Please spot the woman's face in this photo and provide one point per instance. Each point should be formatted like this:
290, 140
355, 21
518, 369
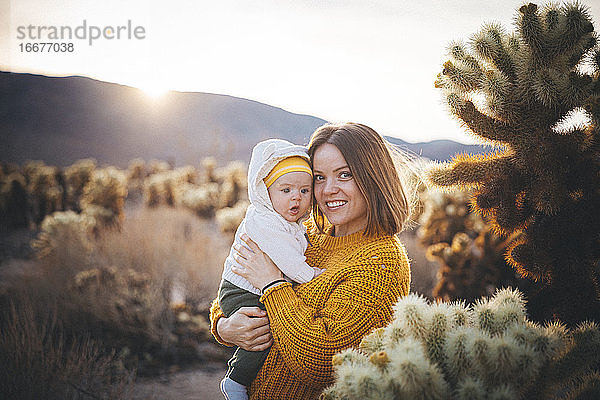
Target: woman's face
336, 191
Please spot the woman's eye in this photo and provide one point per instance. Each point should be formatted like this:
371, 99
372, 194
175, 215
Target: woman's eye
305, 191
319, 178
346, 175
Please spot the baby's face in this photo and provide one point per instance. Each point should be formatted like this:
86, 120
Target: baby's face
291, 195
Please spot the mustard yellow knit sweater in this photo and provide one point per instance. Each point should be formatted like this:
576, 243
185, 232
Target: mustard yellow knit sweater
311, 322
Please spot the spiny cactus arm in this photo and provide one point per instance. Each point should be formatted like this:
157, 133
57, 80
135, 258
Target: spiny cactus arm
308, 338
528, 260
507, 216
459, 77
458, 52
578, 51
489, 45
588, 387
469, 170
530, 27
573, 361
577, 25
480, 124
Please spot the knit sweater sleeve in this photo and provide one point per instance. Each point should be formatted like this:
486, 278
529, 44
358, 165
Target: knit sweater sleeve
360, 300
214, 315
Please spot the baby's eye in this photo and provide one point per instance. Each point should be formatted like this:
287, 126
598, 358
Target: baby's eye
286, 190
346, 175
305, 190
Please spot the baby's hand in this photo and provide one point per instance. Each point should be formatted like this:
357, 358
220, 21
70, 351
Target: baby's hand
318, 271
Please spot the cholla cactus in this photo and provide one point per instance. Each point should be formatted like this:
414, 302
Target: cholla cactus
77, 176
450, 351
470, 255
136, 169
229, 218
157, 167
202, 199
124, 300
234, 184
446, 213
164, 188
544, 178
136, 175
60, 228
208, 165
104, 196
47, 189
14, 201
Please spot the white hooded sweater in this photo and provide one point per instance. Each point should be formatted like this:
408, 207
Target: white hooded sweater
284, 242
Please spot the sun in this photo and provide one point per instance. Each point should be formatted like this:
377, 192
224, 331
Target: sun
154, 91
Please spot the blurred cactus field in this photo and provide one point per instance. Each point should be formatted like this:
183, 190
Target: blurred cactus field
107, 273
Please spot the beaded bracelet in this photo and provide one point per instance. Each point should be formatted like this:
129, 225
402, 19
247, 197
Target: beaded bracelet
268, 285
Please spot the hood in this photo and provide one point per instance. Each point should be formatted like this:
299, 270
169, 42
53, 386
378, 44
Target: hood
265, 156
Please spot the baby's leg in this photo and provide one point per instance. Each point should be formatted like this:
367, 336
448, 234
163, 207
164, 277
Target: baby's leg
244, 365
232, 390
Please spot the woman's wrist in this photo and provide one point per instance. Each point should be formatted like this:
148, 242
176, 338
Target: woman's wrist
219, 327
271, 284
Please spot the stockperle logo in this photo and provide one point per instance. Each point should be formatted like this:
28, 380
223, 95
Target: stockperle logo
89, 33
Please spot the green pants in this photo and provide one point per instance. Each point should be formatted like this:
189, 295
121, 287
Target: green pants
244, 365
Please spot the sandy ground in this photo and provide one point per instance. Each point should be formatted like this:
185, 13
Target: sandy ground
197, 384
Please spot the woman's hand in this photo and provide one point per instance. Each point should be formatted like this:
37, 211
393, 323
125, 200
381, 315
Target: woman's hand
257, 268
247, 328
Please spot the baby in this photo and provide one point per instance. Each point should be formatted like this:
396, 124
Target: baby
279, 188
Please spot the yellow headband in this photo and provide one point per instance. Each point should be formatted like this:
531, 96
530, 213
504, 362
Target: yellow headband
290, 164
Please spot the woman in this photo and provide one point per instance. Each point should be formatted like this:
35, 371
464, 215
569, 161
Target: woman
359, 205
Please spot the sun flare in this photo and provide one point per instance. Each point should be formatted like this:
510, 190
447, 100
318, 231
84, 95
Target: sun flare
154, 91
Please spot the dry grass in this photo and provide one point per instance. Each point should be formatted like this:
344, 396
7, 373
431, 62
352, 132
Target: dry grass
143, 290
38, 360
171, 245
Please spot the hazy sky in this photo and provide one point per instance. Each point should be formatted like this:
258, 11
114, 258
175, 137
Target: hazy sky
366, 61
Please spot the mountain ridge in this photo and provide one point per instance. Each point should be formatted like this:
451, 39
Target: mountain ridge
62, 119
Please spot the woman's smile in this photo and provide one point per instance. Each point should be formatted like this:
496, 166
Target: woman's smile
334, 205
336, 191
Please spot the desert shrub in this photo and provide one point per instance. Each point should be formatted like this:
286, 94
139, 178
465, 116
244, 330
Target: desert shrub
229, 218
38, 360
127, 287
451, 351
104, 196
543, 179
123, 301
